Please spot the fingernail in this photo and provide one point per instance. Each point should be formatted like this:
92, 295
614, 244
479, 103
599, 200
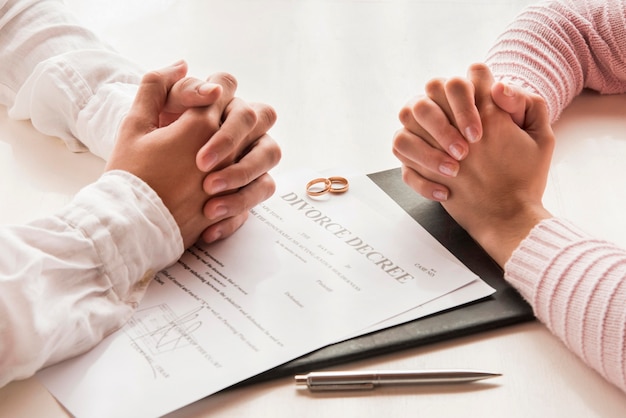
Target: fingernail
507, 90
440, 195
457, 151
178, 63
448, 169
207, 88
217, 186
214, 236
208, 161
471, 134
219, 212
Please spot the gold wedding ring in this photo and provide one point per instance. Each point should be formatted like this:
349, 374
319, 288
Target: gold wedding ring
313, 190
338, 184
334, 184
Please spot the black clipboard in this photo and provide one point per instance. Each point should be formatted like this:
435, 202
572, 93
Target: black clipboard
504, 307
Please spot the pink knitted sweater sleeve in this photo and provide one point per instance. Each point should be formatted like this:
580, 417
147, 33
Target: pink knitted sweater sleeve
557, 48
576, 284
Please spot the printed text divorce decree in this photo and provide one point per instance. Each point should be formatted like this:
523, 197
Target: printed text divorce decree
336, 229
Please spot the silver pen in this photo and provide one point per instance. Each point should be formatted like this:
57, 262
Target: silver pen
363, 380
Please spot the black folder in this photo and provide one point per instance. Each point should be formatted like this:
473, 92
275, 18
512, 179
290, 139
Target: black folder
504, 307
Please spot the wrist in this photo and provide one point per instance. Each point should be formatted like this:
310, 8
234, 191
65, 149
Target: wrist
500, 237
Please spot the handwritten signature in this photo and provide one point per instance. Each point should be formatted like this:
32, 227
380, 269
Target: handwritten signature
161, 331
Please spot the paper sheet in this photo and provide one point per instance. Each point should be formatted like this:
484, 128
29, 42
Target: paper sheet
477, 289
300, 274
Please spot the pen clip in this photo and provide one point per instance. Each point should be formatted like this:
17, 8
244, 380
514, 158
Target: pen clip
329, 386
325, 387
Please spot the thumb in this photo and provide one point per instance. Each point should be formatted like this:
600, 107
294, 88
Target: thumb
513, 100
191, 92
481, 77
152, 95
537, 121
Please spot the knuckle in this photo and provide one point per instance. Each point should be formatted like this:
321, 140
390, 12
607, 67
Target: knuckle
399, 141
227, 80
405, 115
406, 174
267, 115
270, 186
206, 121
248, 116
273, 152
229, 139
153, 82
278, 154
538, 100
458, 85
188, 84
152, 77
264, 188
184, 89
435, 86
396, 152
421, 108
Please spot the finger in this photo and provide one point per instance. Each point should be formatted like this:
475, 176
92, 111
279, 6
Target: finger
482, 79
191, 92
428, 189
460, 94
513, 100
152, 95
244, 124
200, 123
206, 159
407, 118
266, 118
240, 119
225, 206
429, 183
413, 148
224, 228
229, 86
259, 159
538, 122
428, 119
192, 130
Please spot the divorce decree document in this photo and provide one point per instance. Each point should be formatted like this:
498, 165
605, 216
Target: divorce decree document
300, 274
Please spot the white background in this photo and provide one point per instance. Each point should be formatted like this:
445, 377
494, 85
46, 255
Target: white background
337, 72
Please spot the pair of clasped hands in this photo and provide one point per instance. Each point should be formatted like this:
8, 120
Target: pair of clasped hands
204, 151
482, 149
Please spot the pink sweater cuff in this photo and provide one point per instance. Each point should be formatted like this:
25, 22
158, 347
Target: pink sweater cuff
537, 252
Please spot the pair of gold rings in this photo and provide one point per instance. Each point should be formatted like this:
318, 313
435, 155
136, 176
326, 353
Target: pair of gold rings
320, 186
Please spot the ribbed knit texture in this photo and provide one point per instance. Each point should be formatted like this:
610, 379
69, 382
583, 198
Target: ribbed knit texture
576, 284
577, 287
557, 48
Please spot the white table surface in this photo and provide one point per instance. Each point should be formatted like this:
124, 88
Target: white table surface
337, 72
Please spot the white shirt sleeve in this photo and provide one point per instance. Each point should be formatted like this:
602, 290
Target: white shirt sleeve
69, 279
61, 76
